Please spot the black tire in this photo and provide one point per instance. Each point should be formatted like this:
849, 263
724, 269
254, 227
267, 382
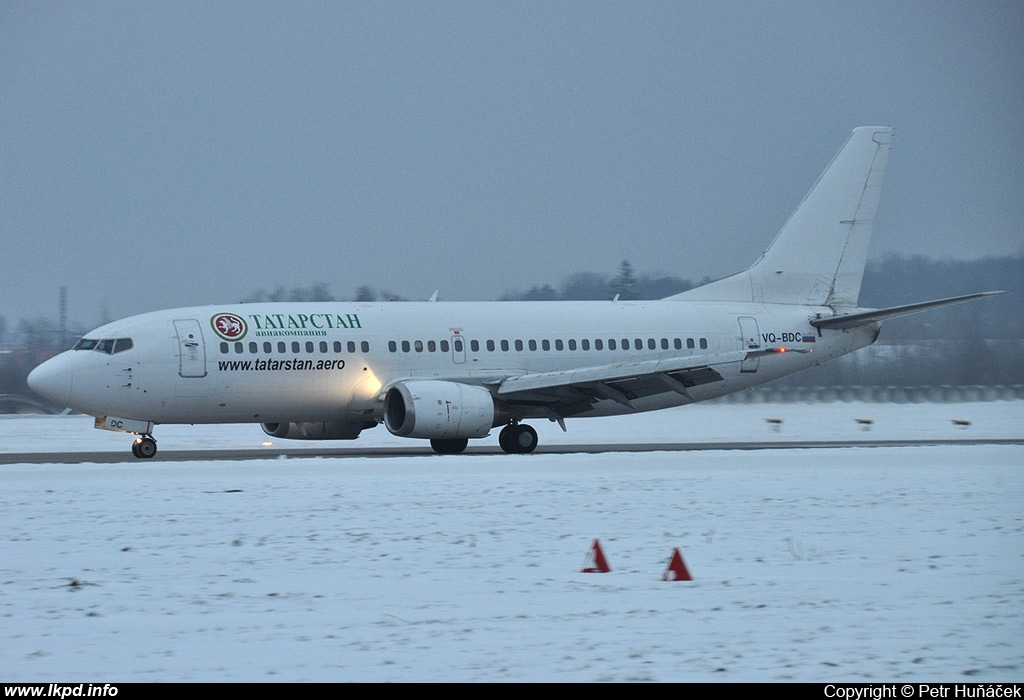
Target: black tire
505, 439
452, 446
144, 448
524, 439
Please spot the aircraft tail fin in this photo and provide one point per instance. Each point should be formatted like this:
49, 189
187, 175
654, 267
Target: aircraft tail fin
818, 256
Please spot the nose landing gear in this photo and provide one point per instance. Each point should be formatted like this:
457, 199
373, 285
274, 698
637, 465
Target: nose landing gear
144, 447
517, 438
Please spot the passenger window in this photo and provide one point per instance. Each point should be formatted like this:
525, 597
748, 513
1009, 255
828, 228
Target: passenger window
364, 346
474, 345
239, 349
519, 346
432, 346
651, 344
295, 347
504, 346
405, 346
545, 345
418, 346
572, 343
223, 348
444, 346
323, 346
281, 347
585, 344
458, 345
611, 343
599, 344
490, 346
638, 344
532, 345
267, 347
558, 344
678, 344
253, 348
392, 346
689, 343
703, 343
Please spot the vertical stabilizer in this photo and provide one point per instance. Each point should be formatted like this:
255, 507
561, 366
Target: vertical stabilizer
818, 257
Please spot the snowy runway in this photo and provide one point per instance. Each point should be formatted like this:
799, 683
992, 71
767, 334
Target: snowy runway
865, 564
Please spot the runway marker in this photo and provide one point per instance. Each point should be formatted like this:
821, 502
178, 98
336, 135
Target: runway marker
597, 561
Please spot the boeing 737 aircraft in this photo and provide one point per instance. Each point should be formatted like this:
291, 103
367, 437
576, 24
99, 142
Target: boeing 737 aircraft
451, 371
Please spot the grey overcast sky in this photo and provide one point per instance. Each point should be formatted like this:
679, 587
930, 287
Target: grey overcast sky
162, 154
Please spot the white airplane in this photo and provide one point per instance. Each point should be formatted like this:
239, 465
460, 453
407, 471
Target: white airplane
452, 371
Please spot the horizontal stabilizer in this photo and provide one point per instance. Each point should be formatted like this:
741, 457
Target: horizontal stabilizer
861, 318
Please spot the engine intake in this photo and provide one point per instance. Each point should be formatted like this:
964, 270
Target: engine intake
440, 410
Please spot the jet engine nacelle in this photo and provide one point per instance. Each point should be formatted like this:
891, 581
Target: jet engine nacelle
314, 430
440, 410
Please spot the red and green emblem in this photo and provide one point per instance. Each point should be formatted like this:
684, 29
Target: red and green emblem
229, 326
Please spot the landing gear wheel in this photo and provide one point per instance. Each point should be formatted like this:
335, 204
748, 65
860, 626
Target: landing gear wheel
453, 446
144, 447
517, 439
525, 439
505, 439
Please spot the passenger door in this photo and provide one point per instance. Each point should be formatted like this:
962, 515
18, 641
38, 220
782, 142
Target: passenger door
191, 350
750, 336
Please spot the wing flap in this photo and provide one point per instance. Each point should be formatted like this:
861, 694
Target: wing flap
678, 381
621, 382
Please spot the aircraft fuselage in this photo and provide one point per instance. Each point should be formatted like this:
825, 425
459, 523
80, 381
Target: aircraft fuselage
321, 361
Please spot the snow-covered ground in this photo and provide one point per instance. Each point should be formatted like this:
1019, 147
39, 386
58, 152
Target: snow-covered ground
705, 422
852, 564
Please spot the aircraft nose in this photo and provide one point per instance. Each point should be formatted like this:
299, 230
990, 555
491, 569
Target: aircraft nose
53, 379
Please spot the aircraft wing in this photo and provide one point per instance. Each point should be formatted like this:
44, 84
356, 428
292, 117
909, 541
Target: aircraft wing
573, 391
860, 318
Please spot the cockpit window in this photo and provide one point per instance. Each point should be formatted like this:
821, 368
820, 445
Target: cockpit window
108, 346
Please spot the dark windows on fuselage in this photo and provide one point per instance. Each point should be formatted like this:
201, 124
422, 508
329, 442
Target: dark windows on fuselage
322, 347
458, 345
628, 345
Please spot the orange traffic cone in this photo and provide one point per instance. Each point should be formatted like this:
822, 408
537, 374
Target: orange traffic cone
598, 564
676, 570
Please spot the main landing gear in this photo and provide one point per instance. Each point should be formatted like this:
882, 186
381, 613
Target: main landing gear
517, 438
144, 446
514, 438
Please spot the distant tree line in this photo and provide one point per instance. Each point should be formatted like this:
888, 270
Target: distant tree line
974, 343
625, 284
319, 292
